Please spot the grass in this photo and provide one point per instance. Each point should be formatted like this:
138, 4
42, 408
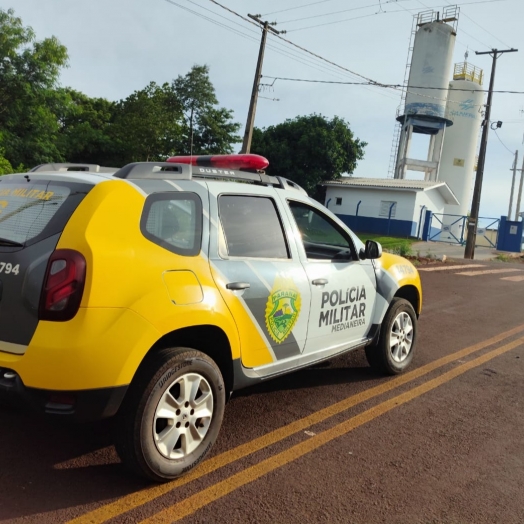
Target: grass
400, 246
501, 257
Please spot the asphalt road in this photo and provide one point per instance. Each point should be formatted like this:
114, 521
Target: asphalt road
335, 443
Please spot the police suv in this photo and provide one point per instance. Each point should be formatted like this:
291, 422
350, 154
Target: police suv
151, 293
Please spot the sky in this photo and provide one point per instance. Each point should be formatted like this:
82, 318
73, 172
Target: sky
119, 46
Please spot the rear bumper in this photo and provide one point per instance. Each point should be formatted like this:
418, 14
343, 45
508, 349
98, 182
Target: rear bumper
80, 406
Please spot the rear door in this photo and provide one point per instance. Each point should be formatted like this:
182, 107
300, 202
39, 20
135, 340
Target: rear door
33, 213
257, 268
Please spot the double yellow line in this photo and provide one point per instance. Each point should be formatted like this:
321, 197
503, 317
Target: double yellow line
222, 488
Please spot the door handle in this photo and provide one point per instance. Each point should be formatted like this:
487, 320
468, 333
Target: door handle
238, 285
320, 281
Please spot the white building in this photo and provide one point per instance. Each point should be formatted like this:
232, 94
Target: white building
395, 207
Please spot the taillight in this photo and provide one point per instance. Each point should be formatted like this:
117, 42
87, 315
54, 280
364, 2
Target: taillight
63, 285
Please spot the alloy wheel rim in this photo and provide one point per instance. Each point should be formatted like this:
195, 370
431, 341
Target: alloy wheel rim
401, 337
183, 416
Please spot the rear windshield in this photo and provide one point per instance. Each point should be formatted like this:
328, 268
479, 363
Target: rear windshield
27, 209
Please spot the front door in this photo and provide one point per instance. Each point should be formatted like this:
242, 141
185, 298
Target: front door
343, 288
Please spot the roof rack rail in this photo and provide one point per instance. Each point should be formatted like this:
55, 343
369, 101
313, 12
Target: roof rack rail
289, 184
175, 171
65, 166
154, 170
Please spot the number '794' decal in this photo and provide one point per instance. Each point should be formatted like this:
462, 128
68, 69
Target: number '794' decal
8, 268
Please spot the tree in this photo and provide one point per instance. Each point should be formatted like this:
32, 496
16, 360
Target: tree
147, 125
84, 129
309, 150
29, 72
5, 165
40, 122
208, 129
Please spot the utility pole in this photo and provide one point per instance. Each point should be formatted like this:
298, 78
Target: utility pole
514, 169
517, 210
248, 133
469, 252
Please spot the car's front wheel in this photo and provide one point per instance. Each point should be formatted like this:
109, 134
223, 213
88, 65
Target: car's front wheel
396, 344
172, 414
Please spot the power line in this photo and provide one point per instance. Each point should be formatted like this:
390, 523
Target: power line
477, 24
339, 21
220, 24
471, 19
324, 1
337, 12
484, 29
383, 12
297, 7
373, 82
462, 30
500, 140
281, 51
392, 86
285, 51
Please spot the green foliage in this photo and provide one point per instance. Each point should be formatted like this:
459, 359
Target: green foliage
404, 249
309, 150
41, 122
5, 165
401, 246
146, 126
502, 257
84, 128
29, 71
207, 129
216, 132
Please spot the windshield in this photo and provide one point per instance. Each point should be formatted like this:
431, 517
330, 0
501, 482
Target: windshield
25, 210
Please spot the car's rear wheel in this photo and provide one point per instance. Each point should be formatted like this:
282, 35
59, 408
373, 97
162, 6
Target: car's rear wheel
393, 352
172, 414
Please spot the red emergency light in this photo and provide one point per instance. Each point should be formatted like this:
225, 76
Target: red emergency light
251, 162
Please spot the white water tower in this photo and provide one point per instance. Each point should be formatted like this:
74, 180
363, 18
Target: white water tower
426, 95
458, 161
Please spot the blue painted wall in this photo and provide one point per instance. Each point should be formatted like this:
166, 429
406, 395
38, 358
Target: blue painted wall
508, 240
382, 226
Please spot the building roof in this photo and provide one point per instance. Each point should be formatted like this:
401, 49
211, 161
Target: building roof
396, 184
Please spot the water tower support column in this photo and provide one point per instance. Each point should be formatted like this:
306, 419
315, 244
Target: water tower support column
435, 152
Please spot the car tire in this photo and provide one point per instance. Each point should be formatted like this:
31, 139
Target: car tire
171, 415
393, 352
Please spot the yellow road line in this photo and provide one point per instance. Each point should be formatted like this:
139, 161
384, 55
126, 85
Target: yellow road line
519, 278
134, 500
197, 501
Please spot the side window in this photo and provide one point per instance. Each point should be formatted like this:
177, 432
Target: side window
322, 238
174, 221
252, 227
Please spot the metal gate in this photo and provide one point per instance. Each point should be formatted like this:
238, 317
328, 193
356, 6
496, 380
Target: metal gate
452, 229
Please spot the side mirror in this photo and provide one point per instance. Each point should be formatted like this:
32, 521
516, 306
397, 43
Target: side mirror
373, 250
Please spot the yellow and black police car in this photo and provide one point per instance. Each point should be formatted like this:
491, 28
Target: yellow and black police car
152, 292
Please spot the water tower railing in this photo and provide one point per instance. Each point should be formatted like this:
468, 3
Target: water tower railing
426, 17
465, 71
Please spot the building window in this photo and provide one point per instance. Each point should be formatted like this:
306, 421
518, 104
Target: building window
338, 201
385, 206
